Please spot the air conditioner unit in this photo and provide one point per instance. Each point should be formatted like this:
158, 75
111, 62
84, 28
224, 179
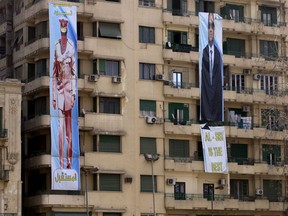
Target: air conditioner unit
116, 79
246, 109
222, 181
171, 181
159, 77
128, 179
259, 192
151, 119
256, 76
93, 77
246, 71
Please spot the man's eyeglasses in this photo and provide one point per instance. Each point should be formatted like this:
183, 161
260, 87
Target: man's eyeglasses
211, 25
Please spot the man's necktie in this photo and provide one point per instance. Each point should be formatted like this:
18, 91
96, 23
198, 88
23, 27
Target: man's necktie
211, 66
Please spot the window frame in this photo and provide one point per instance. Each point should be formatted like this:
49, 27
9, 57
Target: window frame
147, 34
147, 71
110, 105
147, 108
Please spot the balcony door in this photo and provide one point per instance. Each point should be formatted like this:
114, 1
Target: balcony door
179, 191
177, 79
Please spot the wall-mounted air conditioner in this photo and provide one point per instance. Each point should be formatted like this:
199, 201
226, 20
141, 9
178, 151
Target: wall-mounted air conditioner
222, 182
259, 192
159, 77
170, 181
151, 119
116, 79
256, 76
93, 77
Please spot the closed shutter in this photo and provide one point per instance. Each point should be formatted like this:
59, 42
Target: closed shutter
147, 145
239, 152
146, 183
179, 148
109, 143
109, 182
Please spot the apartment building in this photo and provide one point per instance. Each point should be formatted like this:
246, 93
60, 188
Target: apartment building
138, 88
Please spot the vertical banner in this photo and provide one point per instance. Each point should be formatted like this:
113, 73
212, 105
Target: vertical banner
211, 67
214, 149
65, 157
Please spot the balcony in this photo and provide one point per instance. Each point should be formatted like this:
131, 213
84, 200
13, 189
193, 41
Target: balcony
223, 203
56, 198
36, 85
180, 17
43, 160
42, 121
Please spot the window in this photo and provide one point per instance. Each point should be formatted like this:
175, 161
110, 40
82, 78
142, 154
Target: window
179, 191
18, 39
109, 67
147, 108
268, 15
204, 6
208, 191
146, 183
113, 0
31, 72
41, 30
272, 189
109, 30
178, 113
239, 188
271, 153
109, 105
269, 49
94, 29
108, 143
40, 106
269, 84
41, 68
37, 145
149, 3
146, 34
177, 37
148, 145
178, 148
234, 47
146, 71
271, 120
110, 182
111, 213
239, 153
19, 72
178, 7
31, 34
233, 12
177, 79
80, 31
237, 82
177, 41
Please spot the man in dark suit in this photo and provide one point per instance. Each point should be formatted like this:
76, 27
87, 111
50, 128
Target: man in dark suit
211, 79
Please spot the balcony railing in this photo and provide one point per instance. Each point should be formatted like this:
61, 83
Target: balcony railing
247, 20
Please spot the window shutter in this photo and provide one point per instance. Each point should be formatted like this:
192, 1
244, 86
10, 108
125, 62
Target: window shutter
169, 5
146, 183
109, 143
109, 182
147, 145
102, 66
239, 152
